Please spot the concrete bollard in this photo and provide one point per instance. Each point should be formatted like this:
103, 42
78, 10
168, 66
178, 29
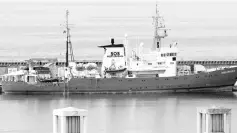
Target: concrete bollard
214, 120
69, 120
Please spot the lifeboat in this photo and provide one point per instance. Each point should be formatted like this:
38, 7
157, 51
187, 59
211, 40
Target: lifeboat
80, 67
91, 66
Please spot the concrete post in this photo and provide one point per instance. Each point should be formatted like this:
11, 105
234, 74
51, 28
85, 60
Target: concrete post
199, 123
214, 120
69, 120
55, 124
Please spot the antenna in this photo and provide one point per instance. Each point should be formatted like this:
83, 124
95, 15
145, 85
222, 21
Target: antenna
68, 41
158, 22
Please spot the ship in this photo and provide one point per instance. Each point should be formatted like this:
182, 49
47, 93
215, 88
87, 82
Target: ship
155, 71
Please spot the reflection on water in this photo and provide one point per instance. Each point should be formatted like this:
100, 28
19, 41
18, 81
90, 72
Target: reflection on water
136, 113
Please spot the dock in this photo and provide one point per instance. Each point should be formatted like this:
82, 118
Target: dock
9, 66
99, 62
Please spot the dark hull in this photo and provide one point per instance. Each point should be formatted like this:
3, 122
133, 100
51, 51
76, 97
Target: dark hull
221, 80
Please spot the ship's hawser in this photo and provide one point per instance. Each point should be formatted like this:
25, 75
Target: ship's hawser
140, 72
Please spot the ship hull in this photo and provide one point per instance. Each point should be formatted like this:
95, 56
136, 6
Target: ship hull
25, 88
220, 80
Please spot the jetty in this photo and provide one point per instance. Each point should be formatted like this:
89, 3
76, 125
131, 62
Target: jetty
6, 66
9, 66
99, 62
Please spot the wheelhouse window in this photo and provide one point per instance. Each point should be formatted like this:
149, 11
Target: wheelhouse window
160, 63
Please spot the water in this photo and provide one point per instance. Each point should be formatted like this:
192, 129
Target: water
32, 29
141, 113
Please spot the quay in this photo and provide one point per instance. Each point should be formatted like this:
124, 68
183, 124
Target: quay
99, 62
9, 66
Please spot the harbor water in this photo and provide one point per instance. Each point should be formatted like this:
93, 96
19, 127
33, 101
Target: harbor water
122, 113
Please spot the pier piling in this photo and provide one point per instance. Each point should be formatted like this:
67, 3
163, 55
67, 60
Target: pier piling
214, 120
69, 120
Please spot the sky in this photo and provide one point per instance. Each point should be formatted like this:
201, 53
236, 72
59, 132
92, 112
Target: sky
207, 29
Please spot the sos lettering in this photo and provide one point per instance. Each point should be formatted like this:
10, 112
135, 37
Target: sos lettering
115, 54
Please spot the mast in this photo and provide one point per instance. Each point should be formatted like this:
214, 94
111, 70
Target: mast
67, 32
158, 22
68, 41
